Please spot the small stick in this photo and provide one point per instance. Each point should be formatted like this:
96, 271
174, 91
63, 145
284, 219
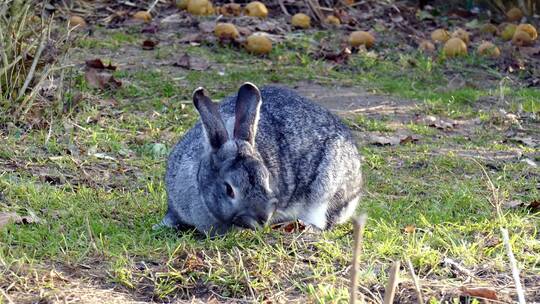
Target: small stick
89, 231
449, 263
246, 275
152, 6
390, 290
358, 224
513, 266
5, 296
416, 282
283, 8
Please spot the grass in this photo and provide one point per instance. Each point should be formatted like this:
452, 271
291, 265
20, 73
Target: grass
97, 185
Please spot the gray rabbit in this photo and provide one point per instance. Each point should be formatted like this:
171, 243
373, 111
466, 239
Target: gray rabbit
262, 157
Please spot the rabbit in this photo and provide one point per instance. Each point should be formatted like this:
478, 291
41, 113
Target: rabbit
262, 157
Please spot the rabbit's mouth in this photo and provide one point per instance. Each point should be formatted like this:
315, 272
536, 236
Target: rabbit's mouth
250, 222
246, 221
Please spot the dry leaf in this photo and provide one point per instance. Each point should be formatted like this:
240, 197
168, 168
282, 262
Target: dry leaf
528, 141
12, 217
149, 45
290, 227
534, 206
192, 38
480, 292
101, 80
439, 123
98, 64
192, 63
409, 229
151, 28
392, 140
531, 51
207, 26
193, 262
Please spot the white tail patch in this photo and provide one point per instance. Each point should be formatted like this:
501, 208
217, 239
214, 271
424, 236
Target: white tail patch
315, 216
348, 211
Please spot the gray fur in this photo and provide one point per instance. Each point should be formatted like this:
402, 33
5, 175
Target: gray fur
304, 165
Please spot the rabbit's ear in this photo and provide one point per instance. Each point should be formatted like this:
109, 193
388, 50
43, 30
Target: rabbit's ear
211, 119
248, 105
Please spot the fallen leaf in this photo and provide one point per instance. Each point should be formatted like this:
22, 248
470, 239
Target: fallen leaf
207, 26
531, 51
192, 38
12, 217
439, 123
98, 65
337, 57
383, 140
528, 141
149, 45
101, 80
192, 63
392, 140
533, 206
480, 292
268, 26
193, 262
290, 227
530, 162
409, 229
396, 18
151, 28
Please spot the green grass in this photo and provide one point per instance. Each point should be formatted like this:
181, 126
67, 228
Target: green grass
97, 184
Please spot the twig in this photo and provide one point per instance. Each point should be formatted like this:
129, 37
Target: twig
513, 266
37, 57
246, 275
283, 8
415, 281
390, 290
316, 11
89, 231
5, 296
358, 224
152, 6
451, 263
494, 191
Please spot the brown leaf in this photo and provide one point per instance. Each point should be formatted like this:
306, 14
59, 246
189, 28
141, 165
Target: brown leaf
192, 63
149, 44
439, 123
534, 206
244, 31
530, 50
193, 262
98, 64
12, 217
528, 141
231, 9
480, 292
290, 227
192, 38
409, 229
101, 80
392, 140
207, 26
339, 57
151, 28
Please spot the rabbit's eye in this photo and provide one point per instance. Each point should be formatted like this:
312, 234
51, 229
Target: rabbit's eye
230, 191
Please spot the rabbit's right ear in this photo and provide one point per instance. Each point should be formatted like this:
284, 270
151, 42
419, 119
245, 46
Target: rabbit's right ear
211, 119
248, 106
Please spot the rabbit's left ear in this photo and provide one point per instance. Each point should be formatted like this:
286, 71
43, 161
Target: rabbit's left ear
211, 119
248, 106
